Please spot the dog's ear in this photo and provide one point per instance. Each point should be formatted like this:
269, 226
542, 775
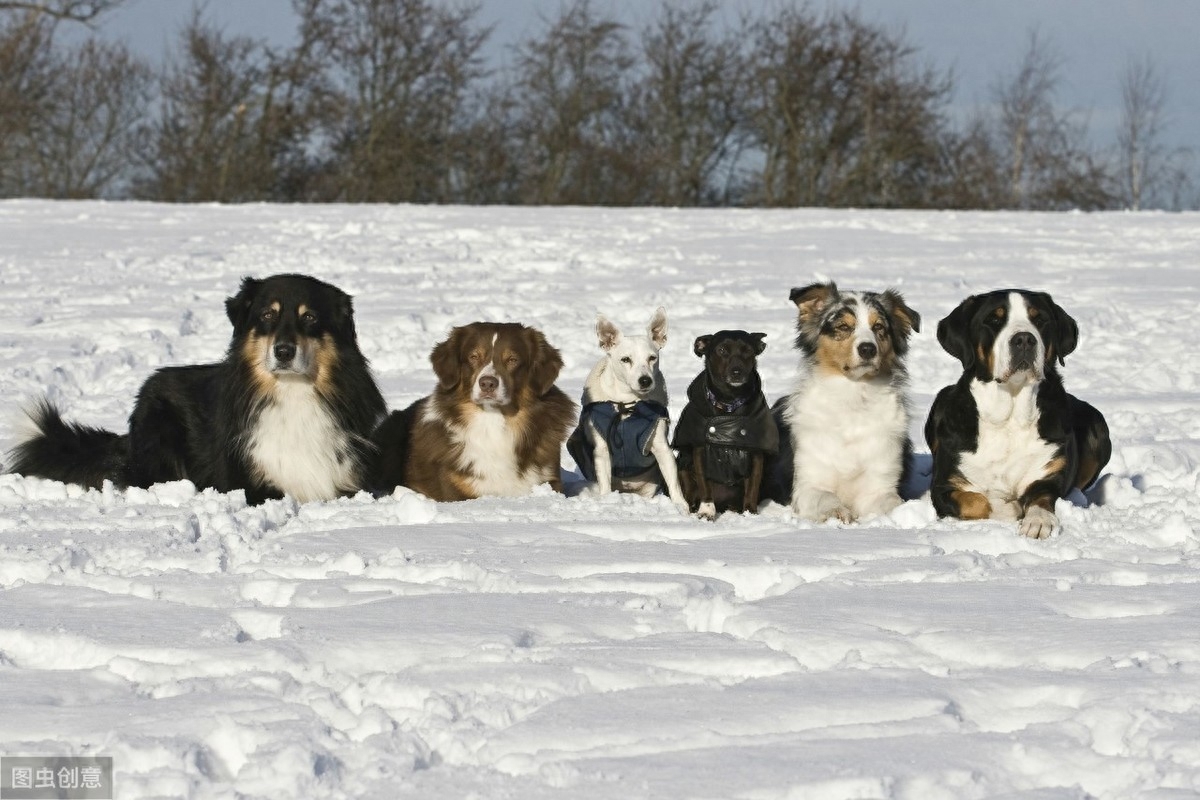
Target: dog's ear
954, 333
657, 330
547, 362
700, 346
343, 314
904, 319
607, 333
237, 308
759, 344
446, 360
1066, 331
811, 300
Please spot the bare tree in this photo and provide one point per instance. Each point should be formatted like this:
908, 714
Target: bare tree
686, 108
66, 10
26, 81
840, 113
81, 141
1049, 163
403, 70
569, 97
199, 149
1144, 161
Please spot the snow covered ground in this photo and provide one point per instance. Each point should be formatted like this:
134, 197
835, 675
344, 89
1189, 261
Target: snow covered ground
597, 648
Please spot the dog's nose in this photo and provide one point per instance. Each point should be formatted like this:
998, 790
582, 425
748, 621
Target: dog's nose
285, 352
488, 384
867, 351
1024, 343
645, 381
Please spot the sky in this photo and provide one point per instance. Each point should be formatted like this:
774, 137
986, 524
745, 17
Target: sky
980, 40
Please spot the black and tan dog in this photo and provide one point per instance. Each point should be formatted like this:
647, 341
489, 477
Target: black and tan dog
1007, 440
289, 410
726, 429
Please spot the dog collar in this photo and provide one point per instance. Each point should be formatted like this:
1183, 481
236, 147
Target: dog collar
720, 405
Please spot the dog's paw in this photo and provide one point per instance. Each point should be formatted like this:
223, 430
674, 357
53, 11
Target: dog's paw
840, 513
1038, 523
682, 507
707, 511
593, 490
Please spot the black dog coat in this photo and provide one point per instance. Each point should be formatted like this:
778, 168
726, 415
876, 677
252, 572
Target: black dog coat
727, 434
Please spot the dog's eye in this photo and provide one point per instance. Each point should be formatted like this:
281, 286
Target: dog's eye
652, 359
722, 351
309, 318
269, 315
474, 358
627, 360
512, 361
879, 327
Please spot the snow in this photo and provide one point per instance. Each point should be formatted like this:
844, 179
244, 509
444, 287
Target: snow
597, 647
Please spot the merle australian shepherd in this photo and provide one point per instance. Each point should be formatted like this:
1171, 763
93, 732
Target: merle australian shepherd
847, 420
288, 412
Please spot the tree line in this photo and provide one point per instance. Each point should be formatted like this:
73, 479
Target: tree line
394, 101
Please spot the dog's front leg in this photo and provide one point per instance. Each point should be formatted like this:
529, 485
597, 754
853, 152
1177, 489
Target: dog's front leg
707, 509
753, 484
601, 460
667, 466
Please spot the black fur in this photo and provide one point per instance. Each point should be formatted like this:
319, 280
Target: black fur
726, 430
194, 422
1077, 430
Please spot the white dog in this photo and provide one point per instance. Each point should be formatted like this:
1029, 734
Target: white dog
621, 441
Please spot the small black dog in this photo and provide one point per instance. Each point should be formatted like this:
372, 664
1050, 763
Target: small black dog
726, 429
289, 411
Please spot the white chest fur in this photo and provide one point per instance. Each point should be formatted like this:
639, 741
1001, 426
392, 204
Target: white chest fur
1010, 454
489, 454
297, 446
849, 439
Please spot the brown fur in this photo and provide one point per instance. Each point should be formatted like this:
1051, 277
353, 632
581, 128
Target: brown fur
972, 505
537, 413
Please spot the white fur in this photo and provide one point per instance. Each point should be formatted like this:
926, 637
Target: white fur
848, 437
489, 452
615, 378
1010, 454
297, 445
1017, 322
863, 334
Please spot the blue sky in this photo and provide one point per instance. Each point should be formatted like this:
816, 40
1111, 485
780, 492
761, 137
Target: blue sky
979, 39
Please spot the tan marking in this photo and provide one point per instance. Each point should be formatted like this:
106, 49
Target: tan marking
325, 364
883, 340
1042, 501
301, 309
834, 355
971, 505
813, 302
1054, 466
254, 353
276, 306
1089, 468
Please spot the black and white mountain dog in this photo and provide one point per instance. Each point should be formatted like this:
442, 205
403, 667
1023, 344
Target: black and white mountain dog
1007, 440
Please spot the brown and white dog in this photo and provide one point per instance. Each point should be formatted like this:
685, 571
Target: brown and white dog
495, 424
847, 420
1007, 440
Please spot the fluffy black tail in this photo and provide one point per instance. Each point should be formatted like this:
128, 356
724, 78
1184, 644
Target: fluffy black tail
68, 452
